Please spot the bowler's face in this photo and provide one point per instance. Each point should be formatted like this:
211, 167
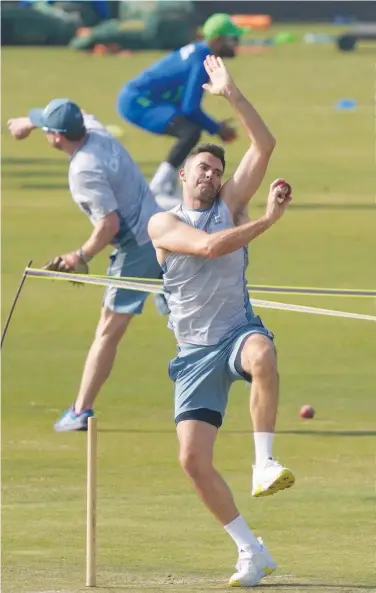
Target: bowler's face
203, 177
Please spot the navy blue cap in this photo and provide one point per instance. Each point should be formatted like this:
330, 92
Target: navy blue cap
60, 115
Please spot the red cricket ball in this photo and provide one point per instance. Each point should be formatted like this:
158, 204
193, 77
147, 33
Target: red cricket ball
307, 412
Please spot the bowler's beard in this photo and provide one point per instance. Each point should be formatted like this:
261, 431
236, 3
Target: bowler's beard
207, 193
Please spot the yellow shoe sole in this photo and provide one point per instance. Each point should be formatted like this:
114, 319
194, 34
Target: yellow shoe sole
285, 480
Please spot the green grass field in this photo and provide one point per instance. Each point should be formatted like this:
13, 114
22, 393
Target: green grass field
153, 534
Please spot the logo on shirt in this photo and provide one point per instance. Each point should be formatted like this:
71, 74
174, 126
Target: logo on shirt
187, 50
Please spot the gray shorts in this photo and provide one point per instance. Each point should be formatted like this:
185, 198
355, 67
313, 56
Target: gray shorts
138, 262
203, 375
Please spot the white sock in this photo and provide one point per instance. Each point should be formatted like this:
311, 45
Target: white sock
165, 173
241, 534
263, 446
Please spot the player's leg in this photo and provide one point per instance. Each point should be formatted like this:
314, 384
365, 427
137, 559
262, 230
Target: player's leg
101, 356
201, 389
98, 365
259, 359
119, 307
196, 439
152, 117
162, 119
188, 134
256, 360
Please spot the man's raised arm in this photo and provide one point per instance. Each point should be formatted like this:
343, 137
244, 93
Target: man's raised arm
170, 235
240, 188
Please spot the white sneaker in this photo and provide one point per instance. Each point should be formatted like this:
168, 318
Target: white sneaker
271, 477
270, 564
252, 566
70, 420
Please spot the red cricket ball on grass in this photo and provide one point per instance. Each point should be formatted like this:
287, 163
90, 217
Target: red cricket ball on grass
307, 412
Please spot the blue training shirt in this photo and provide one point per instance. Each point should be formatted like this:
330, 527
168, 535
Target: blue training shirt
178, 79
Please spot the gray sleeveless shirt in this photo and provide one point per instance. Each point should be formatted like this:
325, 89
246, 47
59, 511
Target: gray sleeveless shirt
207, 298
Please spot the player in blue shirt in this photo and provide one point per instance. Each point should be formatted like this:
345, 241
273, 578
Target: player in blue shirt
166, 99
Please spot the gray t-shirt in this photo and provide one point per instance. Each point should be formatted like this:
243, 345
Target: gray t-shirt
103, 178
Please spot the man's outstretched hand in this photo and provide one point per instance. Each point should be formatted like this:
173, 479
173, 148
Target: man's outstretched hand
220, 80
70, 262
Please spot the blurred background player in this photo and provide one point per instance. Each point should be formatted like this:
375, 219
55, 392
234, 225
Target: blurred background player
109, 188
166, 99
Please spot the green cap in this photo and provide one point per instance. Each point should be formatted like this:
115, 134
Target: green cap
221, 25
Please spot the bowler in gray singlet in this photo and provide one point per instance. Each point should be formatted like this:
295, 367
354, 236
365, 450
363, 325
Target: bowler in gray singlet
109, 188
202, 248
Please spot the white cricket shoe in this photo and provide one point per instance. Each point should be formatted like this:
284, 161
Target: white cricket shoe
252, 566
270, 564
271, 477
70, 420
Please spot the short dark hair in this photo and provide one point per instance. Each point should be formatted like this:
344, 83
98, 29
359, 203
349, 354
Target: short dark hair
213, 149
75, 136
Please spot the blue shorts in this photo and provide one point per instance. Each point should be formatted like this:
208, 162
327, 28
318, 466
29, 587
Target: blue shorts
139, 110
138, 262
203, 375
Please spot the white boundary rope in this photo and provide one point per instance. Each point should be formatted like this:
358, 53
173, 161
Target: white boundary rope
313, 310
147, 286
292, 290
